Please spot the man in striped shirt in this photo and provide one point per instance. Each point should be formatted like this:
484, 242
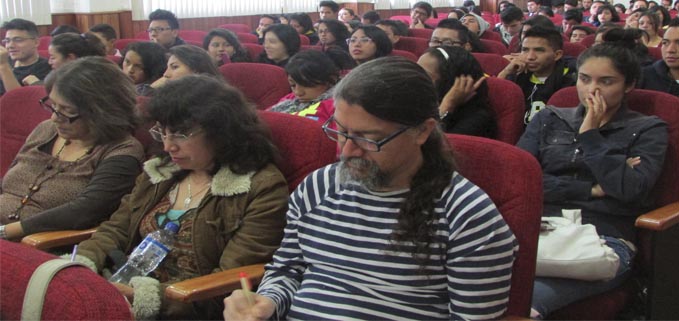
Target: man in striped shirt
391, 232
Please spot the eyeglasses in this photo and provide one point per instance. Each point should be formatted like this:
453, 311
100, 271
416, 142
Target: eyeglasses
158, 29
16, 40
364, 143
157, 135
446, 43
362, 40
49, 106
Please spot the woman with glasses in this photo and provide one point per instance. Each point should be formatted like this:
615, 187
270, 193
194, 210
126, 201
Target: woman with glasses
332, 33
216, 180
144, 62
463, 94
368, 43
74, 167
311, 75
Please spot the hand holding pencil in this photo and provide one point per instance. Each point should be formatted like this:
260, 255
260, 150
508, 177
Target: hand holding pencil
245, 305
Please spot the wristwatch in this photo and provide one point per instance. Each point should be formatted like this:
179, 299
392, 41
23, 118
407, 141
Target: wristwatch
3, 234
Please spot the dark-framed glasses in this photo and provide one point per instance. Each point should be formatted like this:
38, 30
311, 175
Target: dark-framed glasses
362, 40
46, 103
364, 143
445, 43
16, 40
158, 134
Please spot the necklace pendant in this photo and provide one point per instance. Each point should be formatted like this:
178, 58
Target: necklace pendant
187, 201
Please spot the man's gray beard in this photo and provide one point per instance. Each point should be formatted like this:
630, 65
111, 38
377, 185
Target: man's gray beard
373, 179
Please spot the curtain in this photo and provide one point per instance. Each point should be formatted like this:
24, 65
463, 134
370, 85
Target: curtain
37, 11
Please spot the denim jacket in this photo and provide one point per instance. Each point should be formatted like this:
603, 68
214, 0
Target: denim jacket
572, 163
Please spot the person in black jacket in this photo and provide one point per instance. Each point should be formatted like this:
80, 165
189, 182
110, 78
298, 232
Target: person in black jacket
663, 75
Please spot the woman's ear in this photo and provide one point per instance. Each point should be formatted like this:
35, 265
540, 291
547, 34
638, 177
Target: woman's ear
630, 87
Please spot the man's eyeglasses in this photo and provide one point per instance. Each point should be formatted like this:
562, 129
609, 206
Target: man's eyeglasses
446, 43
158, 29
49, 106
158, 135
16, 40
362, 40
364, 143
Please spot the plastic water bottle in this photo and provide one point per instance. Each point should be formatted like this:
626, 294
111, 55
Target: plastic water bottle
147, 255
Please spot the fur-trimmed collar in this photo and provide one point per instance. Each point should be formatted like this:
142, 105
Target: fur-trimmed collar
224, 183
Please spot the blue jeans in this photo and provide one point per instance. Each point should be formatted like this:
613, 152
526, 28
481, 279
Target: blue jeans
551, 294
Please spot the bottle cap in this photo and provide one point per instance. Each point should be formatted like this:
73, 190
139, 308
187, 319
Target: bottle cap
171, 226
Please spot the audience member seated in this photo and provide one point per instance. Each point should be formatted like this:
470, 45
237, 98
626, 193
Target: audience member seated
144, 63
216, 181
70, 46
663, 75
632, 20
593, 10
368, 43
571, 19
304, 26
632, 40
391, 222
311, 75
585, 168
512, 19
391, 28
108, 37
75, 167
370, 18
224, 47
333, 33
650, 23
663, 15
264, 22
535, 21
280, 43
605, 13
463, 95
420, 12
475, 24
164, 29
539, 69
19, 57
327, 10
346, 15
451, 32
283, 18
187, 60
580, 32
603, 29
620, 8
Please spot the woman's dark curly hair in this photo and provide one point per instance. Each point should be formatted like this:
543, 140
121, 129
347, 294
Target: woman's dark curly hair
460, 62
400, 91
240, 54
237, 136
153, 56
338, 30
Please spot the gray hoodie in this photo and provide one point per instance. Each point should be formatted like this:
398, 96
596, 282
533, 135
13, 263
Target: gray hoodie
483, 24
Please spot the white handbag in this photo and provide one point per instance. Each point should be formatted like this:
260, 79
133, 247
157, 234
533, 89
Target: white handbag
572, 250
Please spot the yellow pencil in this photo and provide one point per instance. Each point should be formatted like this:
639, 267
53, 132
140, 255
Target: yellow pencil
246, 287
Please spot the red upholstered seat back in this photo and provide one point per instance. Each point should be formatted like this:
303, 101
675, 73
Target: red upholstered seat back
262, 84
304, 40
494, 47
120, 44
405, 54
513, 180
647, 102
44, 42
75, 293
491, 64
421, 33
588, 41
572, 49
413, 44
20, 112
254, 49
236, 27
506, 99
301, 143
493, 36
247, 38
195, 36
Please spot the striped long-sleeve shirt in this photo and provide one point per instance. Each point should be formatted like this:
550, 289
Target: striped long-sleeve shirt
337, 260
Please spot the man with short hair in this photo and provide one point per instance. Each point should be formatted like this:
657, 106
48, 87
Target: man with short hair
391, 28
391, 232
580, 32
164, 29
19, 59
557, 7
420, 12
587, 4
264, 22
328, 9
640, 4
571, 18
663, 75
539, 69
108, 37
451, 32
512, 20
570, 5
532, 6
593, 10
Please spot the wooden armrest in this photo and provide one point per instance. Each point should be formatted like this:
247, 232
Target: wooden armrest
660, 219
212, 285
49, 240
